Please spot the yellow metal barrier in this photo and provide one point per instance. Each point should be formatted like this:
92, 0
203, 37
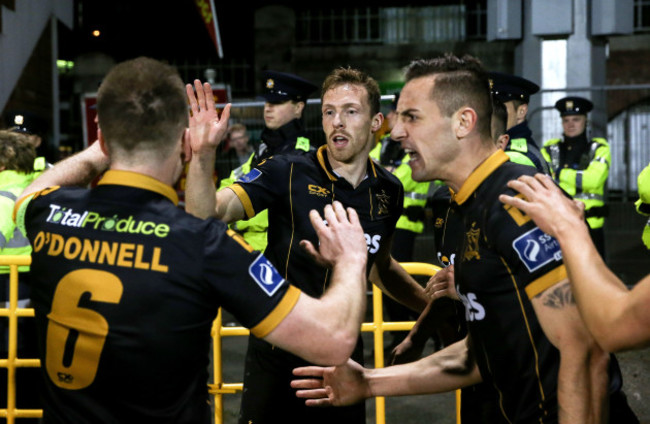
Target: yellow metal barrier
377, 326
218, 388
12, 361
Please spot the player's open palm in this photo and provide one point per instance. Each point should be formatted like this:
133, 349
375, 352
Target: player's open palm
207, 129
331, 386
340, 236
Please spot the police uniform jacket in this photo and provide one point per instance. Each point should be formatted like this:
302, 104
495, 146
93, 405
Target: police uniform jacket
581, 167
523, 150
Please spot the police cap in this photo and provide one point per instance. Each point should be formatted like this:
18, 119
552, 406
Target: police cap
506, 87
24, 122
573, 106
280, 87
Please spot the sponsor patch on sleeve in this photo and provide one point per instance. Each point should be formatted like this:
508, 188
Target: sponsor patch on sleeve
251, 176
265, 275
536, 248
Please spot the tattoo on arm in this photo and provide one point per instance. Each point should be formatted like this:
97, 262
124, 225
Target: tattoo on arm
559, 297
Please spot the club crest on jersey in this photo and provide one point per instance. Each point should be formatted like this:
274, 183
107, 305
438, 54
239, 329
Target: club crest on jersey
251, 176
536, 248
265, 275
471, 244
383, 202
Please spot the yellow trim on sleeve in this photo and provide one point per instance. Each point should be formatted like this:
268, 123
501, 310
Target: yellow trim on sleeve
278, 314
244, 199
547, 280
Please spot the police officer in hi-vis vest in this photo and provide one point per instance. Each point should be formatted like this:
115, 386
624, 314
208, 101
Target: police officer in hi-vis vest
580, 164
285, 97
514, 92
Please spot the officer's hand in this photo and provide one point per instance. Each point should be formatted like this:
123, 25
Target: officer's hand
340, 236
442, 284
545, 203
207, 129
331, 386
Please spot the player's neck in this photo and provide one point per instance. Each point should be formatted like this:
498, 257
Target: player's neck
353, 172
466, 162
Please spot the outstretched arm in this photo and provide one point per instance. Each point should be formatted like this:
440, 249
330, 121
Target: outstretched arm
443, 371
617, 317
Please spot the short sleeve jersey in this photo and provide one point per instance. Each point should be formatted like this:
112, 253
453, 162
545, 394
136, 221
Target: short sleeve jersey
291, 186
126, 286
504, 261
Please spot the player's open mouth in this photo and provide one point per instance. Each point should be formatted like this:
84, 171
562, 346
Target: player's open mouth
339, 140
414, 156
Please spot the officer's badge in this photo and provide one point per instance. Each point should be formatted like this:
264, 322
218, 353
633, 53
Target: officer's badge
491, 83
439, 222
471, 244
270, 83
383, 201
568, 105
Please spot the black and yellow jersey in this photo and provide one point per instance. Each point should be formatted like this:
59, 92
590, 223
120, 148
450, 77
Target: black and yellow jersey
126, 286
504, 261
291, 186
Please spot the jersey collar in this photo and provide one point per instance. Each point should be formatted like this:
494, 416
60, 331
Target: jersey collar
479, 175
134, 179
321, 154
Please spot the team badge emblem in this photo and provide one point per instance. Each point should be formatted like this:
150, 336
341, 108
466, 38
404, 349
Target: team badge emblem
471, 244
251, 176
265, 275
383, 200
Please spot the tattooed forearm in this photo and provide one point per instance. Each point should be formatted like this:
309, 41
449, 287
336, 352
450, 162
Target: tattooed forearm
559, 297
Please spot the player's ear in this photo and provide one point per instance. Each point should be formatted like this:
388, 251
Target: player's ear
522, 110
377, 120
465, 121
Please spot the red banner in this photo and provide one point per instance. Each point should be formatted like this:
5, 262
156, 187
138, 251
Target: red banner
209, 15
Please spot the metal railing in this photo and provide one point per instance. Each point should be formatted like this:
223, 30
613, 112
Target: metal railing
12, 361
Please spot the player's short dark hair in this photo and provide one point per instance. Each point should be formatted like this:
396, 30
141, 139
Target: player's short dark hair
459, 81
340, 76
16, 152
141, 103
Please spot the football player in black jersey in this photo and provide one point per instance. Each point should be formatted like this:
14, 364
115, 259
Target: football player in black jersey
616, 316
291, 185
526, 337
126, 285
